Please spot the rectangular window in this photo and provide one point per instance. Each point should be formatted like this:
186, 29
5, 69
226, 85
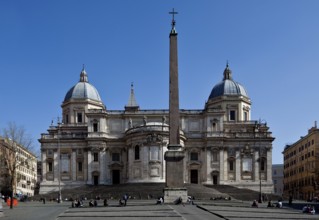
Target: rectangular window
95, 157
80, 166
50, 166
115, 157
95, 127
232, 115
194, 156
65, 162
137, 152
79, 117
231, 165
262, 165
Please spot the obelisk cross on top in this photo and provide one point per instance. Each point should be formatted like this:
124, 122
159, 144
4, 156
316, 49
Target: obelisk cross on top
173, 12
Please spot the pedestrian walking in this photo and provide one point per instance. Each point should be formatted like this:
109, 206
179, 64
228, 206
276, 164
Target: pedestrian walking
125, 197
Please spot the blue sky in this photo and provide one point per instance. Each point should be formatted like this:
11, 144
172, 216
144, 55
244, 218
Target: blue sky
272, 48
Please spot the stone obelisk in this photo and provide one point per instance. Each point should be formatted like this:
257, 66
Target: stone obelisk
174, 156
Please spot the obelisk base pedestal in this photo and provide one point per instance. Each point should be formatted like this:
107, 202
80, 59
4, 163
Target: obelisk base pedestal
172, 194
174, 174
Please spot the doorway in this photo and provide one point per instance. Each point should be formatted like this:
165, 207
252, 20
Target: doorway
96, 180
215, 179
116, 176
194, 176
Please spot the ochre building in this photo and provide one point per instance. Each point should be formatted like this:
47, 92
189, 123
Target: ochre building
301, 167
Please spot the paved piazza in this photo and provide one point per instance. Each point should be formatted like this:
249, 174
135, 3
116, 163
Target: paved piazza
146, 209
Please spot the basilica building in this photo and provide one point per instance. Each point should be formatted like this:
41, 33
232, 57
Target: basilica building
96, 146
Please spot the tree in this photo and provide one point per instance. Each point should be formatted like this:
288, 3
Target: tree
13, 139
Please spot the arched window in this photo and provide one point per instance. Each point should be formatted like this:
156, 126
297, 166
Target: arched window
137, 152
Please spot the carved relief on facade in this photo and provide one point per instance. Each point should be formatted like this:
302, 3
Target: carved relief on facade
153, 138
247, 163
137, 174
231, 152
154, 171
263, 152
215, 125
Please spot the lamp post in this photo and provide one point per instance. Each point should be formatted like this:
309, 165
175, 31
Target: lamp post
59, 163
258, 126
260, 196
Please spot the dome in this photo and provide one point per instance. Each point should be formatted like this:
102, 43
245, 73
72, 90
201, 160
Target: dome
228, 87
83, 90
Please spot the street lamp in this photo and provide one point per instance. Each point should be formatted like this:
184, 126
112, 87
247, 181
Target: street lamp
59, 162
258, 127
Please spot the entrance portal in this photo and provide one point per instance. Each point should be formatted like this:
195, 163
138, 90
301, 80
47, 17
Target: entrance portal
215, 179
116, 176
96, 180
194, 176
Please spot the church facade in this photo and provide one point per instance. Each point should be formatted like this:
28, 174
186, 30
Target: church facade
97, 146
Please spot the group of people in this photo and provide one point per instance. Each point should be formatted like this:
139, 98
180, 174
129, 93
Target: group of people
92, 203
77, 203
309, 209
277, 205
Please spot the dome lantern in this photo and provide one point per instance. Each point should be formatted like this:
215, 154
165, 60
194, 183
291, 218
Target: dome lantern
83, 76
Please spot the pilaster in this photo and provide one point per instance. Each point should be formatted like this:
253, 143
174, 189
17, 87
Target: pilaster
85, 166
56, 165
225, 165
73, 165
89, 156
221, 165
102, 167
256, 167
269, 165
44, 165
238, 167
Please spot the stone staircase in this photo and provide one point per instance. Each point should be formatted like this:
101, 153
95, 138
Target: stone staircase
241, 193
153, 191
